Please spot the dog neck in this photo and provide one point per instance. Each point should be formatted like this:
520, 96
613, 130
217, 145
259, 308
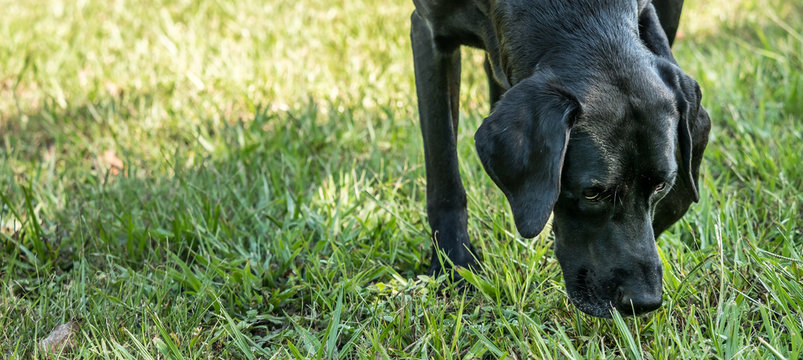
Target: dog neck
549, 34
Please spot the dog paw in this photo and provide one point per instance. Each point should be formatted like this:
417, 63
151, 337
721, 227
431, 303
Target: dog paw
446, 260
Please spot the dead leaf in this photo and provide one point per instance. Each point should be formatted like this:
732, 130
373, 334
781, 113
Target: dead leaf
10, 226
84, 75
61, 339
113, 89
112, 162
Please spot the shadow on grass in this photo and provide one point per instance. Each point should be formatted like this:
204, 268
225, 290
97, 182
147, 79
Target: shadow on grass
267, 216
267, 212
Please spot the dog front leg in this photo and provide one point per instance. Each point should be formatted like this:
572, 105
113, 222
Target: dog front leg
653, 35
495, 90
437, 80
669, 16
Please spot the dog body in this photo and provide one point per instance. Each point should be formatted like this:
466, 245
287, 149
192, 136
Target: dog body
591, 119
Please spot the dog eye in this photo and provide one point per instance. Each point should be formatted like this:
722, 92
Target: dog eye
592, 194
660, 187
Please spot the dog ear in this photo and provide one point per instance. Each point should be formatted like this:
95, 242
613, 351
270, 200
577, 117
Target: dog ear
522, 145
693, 127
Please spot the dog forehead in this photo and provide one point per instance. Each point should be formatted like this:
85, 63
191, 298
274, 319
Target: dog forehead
616, 111
593, 158
621, 139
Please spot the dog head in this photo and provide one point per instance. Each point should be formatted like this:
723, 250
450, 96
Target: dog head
617, 163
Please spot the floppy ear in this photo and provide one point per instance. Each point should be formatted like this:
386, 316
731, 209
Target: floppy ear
693, 127
522, 145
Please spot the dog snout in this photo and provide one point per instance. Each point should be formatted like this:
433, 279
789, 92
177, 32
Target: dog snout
640, 294
636, 303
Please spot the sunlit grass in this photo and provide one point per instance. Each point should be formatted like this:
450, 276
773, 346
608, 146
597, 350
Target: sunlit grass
203, 179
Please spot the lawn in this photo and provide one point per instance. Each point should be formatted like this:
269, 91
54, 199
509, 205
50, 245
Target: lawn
210, 179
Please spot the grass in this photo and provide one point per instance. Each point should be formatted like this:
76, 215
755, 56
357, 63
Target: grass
201, 179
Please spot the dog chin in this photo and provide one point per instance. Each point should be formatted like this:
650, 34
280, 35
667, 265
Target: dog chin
582, 295
594, 307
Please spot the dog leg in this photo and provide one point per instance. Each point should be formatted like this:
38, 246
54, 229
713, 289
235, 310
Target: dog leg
495, 90
437, 75
653, 35
669, 16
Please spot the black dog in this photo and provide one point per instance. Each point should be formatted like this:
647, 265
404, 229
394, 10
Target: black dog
592, 119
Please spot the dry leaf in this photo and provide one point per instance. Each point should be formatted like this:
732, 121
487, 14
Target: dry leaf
113, 89
112, 162
10, 226
61, 339
84, 75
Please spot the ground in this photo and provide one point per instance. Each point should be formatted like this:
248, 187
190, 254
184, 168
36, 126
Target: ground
205, 179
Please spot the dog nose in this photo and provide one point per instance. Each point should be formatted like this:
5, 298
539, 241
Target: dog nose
637, 303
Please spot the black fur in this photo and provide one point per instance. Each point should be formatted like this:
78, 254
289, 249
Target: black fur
588, 102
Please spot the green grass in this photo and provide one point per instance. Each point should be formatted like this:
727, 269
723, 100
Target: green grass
270, 201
